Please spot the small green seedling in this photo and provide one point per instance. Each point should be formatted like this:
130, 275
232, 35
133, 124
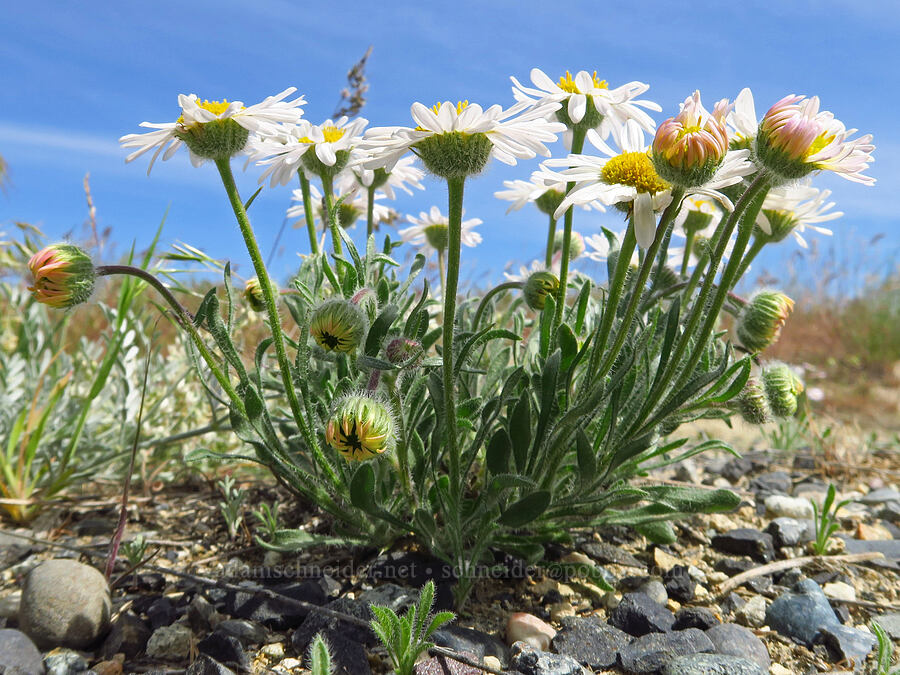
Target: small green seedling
885, 651
407, 637
232, 504
826, 520
267, 517
134, 550
319, 656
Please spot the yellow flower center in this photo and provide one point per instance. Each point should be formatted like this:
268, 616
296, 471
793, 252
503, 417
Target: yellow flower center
332, 134
634, 169
215, 107
821, 141
567, 83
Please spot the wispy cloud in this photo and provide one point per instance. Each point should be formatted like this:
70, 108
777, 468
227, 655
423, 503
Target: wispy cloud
12, 134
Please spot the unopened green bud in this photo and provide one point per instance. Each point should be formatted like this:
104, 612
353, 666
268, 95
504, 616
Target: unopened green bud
361, 427
576, 244
63, 276
753, 404
338, 326
549, 201
782, 389
253, 294
538, 286
761, 319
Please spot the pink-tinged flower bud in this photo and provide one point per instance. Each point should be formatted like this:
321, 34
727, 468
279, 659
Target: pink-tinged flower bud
360, 428
761, 319
689, 147
63, 276
401, 350
576, 244
795, 138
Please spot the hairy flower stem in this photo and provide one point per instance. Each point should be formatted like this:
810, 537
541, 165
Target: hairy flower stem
551, 235
578, 134
759, 187
330, 219
696, 275
755, 248
688, 248
455, 191
185, 320
490, 294
402, 451
370, 211
308, 212
284, 365
644, 273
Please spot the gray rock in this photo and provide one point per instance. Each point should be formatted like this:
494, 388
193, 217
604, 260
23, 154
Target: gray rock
802, 613
733, 640
170, 642
607, 553
746, 541
440, 665
649, 653
655, 590
890, 548
789, 507
712, 664
753, 613
475, 642
18, 653
774, 482
65, 603
880, 496
678, 583
389, 595
695, 617
247, 632
891, 624
64, 662
590, 641
161, 613
204, 665
850, 644
202, 616
638, 614
128, 635
890, 512
790, 532
277, 613
316, 621
530, 661
226, 650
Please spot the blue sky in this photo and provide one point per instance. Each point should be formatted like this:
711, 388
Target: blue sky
79, 75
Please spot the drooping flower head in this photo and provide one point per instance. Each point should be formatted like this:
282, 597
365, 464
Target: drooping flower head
753, 404
431, 231
338, 326
587, 100
455, 141
401, 350
215, 129
63, 276
253, 294
760, 322
795, 138
360, 428
689, 147
782, 388
793, 209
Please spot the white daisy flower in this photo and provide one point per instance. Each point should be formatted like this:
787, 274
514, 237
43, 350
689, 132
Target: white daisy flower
698, 213
619, 178
615, 105
545, 189
598, 248
270, 117
793, 210
404, 176
741, 121
431, 231
519, 132
332, 144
